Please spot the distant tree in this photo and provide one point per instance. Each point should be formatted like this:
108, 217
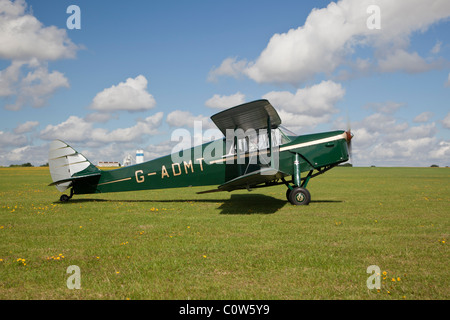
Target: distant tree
434, 166
21, 165
345, 165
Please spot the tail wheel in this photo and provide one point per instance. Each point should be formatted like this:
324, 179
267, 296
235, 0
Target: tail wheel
299, 196
64, 198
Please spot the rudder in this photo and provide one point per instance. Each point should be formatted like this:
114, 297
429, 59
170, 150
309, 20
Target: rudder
66, 165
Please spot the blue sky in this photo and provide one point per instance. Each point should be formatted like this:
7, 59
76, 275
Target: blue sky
138, 70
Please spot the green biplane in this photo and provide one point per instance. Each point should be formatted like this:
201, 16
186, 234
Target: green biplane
255, 152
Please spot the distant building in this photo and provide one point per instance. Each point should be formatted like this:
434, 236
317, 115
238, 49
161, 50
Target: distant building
139, 156
108, 164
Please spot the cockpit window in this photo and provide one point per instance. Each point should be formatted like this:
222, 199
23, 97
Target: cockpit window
259, 141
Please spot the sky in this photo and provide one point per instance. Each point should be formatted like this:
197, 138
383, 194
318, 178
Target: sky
117, 76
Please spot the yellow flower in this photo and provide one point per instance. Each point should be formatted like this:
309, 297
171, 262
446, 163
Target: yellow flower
398, 279
384, 273
393, 279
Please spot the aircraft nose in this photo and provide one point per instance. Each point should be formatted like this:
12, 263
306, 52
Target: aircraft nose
348, 135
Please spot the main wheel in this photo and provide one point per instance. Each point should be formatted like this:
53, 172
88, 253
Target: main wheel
288, 192
299, 196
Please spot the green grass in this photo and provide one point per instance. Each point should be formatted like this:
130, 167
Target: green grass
175, 244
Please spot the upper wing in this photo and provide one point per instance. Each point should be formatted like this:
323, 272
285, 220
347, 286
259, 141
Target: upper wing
253, 115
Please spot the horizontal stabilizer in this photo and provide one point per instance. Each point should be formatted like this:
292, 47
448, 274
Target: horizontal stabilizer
56, 183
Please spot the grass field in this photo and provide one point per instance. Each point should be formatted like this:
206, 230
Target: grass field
175, 244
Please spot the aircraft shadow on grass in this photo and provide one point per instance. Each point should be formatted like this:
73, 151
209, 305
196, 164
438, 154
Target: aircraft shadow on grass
254, 203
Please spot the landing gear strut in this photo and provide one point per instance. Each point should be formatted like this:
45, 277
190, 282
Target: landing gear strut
298, 194
65, 197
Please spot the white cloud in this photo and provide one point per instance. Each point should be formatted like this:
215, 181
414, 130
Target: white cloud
223, 102
447, 83
400, 60
131, 95
8, 78
381, 139
147, 126
229, 67
73, 129
23, 37
299, 123
12, 139
179, 118
76, 129
34, 89
99, 117
29, 45
330, 36
26, 127
388, 107
446, 121
36, 155
309, 106
423, 117
314, 100
437, 47
442, 152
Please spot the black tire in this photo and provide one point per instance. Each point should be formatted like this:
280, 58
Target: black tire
64, 198
288, 192
299, 196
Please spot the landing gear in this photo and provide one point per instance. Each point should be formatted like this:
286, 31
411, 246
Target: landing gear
298, 196
65, 197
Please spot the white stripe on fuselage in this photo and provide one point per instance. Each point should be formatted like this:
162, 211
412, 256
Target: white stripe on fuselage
314, 142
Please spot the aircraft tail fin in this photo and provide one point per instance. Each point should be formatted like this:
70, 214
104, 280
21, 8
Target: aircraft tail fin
66, 165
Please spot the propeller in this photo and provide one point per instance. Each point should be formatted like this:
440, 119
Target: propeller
349, 136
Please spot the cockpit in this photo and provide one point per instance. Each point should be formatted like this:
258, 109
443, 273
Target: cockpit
255, 140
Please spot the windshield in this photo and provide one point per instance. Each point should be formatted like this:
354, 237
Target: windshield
287, 132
